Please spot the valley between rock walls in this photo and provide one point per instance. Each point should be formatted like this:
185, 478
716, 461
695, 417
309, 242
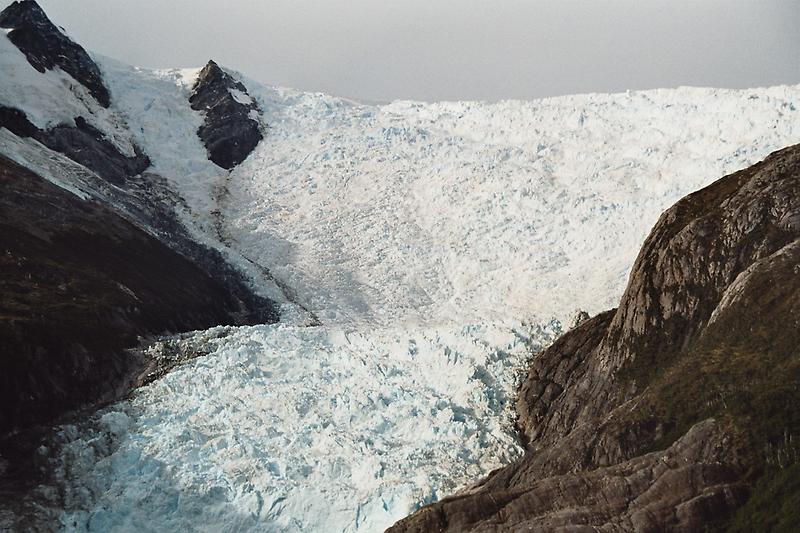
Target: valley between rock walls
416, 256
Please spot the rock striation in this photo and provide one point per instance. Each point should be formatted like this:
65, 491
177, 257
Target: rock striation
46, 47
231, 129
677, 410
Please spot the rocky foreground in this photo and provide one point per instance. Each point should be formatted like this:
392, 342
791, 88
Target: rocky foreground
679, 409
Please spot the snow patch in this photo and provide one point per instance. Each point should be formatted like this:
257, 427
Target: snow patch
241, 96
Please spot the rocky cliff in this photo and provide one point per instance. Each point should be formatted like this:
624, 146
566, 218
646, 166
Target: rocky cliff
677, 410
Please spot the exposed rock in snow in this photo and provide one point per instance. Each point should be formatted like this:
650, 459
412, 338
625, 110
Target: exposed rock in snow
228, 131
579, 317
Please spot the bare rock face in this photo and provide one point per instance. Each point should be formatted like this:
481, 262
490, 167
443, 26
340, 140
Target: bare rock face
46, 47
665, 413
230, 130
674, 490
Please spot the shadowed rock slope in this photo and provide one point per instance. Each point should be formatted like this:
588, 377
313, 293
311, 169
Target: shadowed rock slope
79, 285
678, 410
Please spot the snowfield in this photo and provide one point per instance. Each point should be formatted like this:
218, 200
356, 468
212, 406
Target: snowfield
438, 245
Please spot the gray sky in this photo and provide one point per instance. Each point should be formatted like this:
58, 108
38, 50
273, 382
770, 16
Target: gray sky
453, 49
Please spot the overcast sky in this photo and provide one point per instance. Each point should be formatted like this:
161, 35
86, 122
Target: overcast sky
452, 49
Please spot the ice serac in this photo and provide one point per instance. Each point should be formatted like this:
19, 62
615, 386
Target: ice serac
46, 47
80, 284
677, 410
231, 129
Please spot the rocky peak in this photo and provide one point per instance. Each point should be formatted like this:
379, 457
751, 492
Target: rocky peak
231, 129
25, 13
212, 75
46, 47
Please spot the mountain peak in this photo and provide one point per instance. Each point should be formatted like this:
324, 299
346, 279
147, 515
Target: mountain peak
213, 73
46, 47
230, 131
23, 12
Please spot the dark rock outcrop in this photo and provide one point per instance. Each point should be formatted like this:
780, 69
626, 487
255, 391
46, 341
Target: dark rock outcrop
80, 284
17, 122
87, 145
46, 47
670, 411
229, 132
83, 143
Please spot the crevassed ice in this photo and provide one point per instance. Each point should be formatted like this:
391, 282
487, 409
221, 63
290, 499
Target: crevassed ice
471, 211
301, 429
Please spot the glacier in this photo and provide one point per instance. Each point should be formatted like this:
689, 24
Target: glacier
424, 253
286, 428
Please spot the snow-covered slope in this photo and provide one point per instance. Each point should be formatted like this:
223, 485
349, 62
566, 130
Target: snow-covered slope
53, 97
396, 225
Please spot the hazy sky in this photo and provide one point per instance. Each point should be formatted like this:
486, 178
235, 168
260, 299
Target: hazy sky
452, 49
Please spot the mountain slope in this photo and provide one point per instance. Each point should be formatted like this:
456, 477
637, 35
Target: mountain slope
46, 47
81, 284
699, 362
98, 251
